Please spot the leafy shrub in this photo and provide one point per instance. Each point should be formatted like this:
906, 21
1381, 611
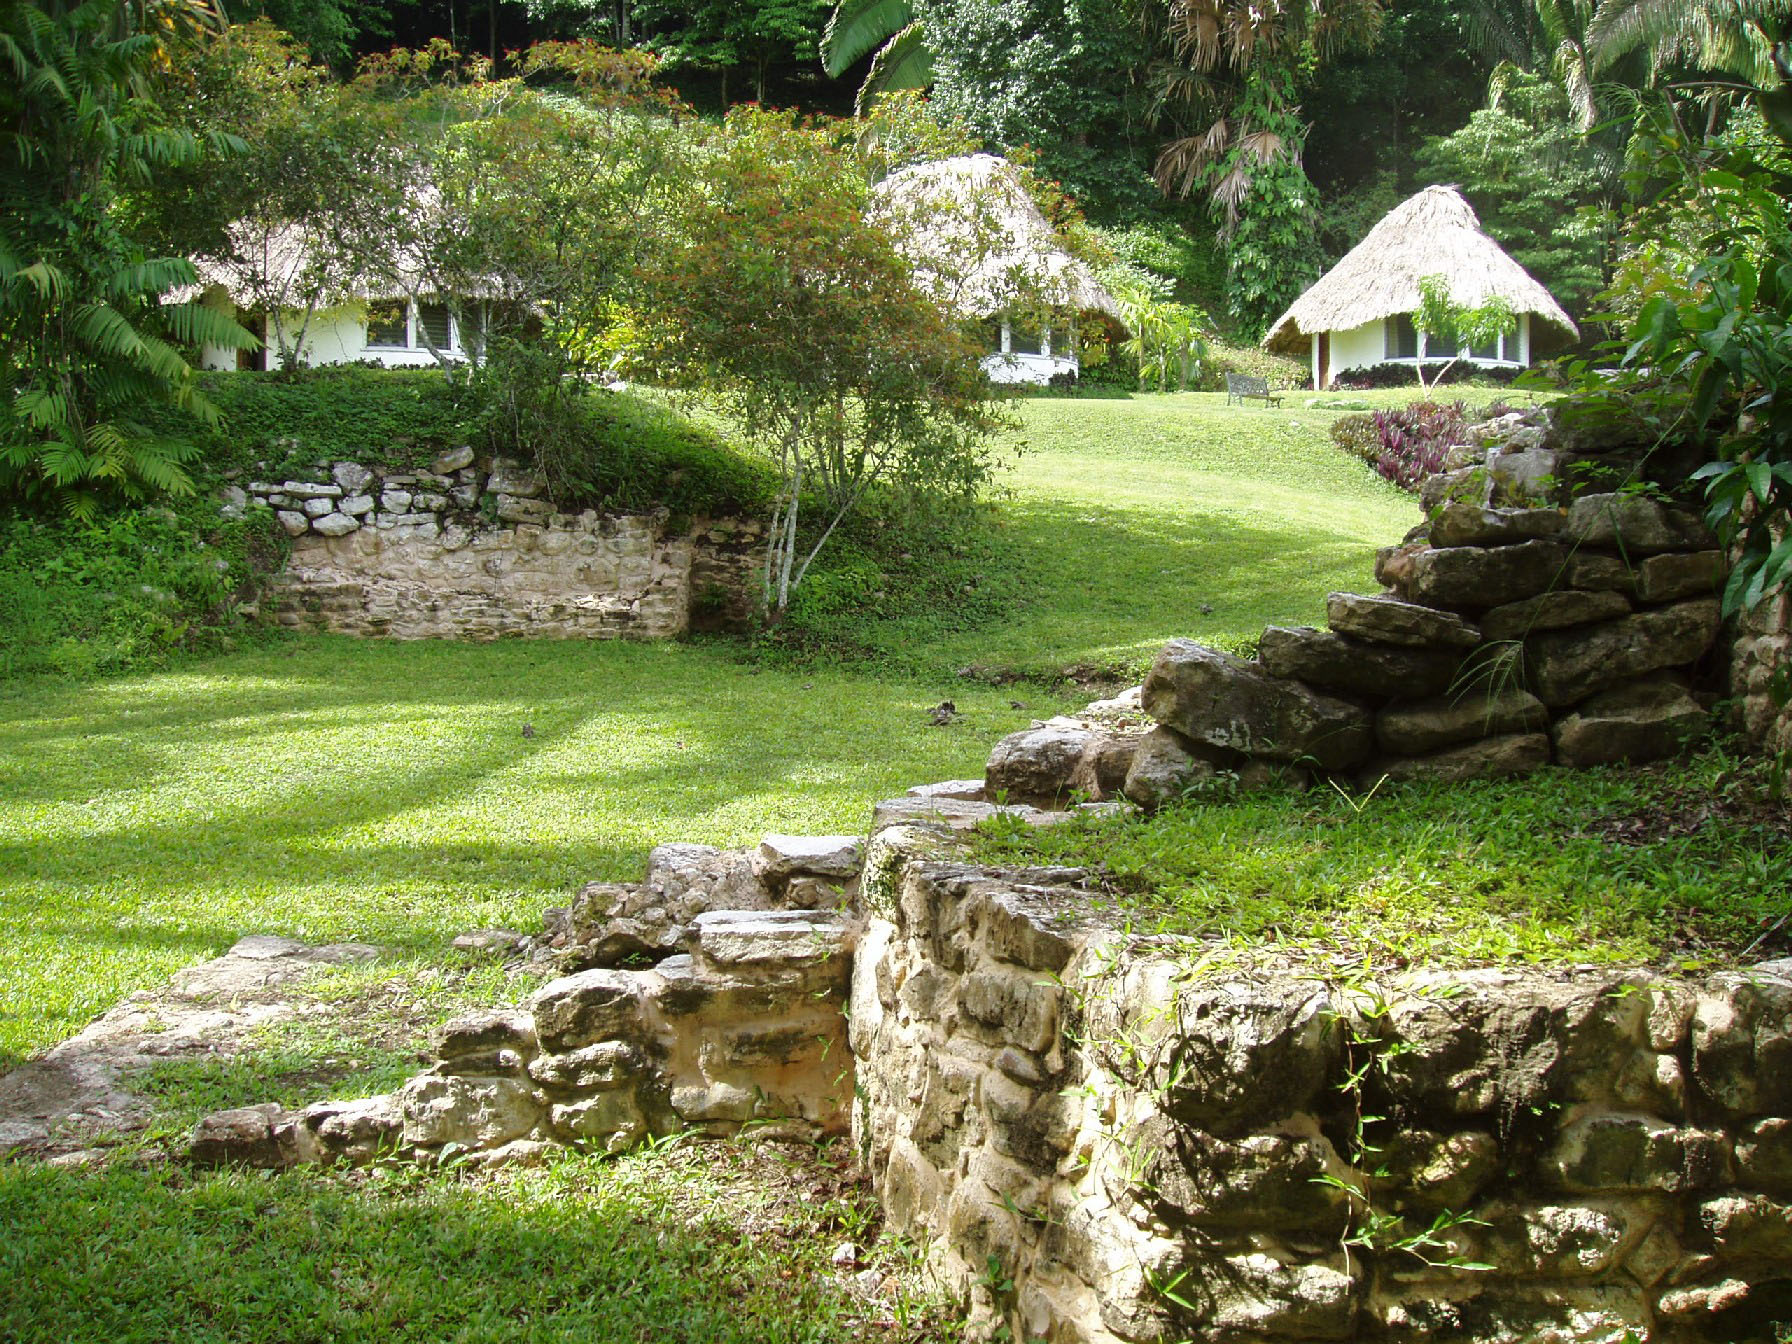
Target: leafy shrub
1254, 362
1402, 375
125, 592
1359, 436
1414, 440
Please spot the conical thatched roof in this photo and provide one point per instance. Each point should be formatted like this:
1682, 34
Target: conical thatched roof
1435, 232
977, 240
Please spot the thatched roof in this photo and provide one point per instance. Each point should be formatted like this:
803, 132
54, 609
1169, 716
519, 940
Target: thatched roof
977, 240
1435, 232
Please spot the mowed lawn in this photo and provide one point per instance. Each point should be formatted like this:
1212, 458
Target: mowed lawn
341, 789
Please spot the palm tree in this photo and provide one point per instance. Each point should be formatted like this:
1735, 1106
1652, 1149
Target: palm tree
903, 59
1539, 34
1220, 45
1749, 41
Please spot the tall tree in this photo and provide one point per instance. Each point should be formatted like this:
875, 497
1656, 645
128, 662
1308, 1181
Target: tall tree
891, 29
1747, 41
1233, 76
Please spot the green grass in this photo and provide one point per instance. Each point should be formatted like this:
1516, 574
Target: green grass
725, 1243
1680, 864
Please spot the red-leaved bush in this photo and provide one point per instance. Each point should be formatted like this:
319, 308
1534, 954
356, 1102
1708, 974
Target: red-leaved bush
1414, 440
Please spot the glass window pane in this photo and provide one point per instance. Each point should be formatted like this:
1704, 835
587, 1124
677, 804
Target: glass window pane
386, 325
1439, 347
1023, 341
432, 323
1402, 338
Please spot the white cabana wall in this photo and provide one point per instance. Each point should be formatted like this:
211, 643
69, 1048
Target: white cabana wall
339, 336
1365, 346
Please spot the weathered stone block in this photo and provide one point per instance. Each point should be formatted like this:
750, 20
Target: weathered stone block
1600, 571
1490, 758
1742, 1046
1666, 578
740, 940
473, 1112
1749, 1227
352, 477
335, 524
502, 1039
1615, 1151
1102, 769
583, 1009
356, 1131
296, 524
1636, 525
1644, 721
1165, 765
1219, 700
452, 460
1439, 1171
1475, 578
607, 1064
1335, 662
510, 477
266, 1136
1035, 764
1250, 1054
782, 857
611, 1120
1261, 1182
1567, 666
1013, 1006
311, 490
1388, 620
1553, 611
1431, 725
1464, 525
317, 508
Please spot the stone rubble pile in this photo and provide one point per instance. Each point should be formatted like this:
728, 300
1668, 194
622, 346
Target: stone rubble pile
1504, 639
706, 997
476, 550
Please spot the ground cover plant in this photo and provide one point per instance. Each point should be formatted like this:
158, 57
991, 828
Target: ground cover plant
1679, 865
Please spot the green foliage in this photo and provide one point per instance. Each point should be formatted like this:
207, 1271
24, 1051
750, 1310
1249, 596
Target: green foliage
1358, 435
87, 343
1441, 319
806, 325
902, 59
124, 593
1414, 439
1058, 79
1192, 268
726, 34
1542, 189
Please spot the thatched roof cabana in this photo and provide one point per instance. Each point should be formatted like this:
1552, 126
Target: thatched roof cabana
977, 240
1434, 232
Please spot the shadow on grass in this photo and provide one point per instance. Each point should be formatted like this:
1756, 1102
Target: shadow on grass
581, 1252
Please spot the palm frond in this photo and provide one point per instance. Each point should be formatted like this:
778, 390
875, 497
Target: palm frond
860, 26
905, 62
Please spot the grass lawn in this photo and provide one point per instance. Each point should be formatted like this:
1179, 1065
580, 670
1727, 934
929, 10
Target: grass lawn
331, 789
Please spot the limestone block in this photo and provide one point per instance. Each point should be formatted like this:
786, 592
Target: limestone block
356, 1131
1013, 1008
1749, 1227
1466, 485
1490, 758
956, 815
1665, 578
611, 1120
1260, 1182
1165, 766
1556, 1241
1219, 700
311, 490
1430, 725
473, 1112
454, 459
782, 857
689, 879
1553, 611
1636, 525
521, 509
510, 477
1388, 620
317, 508
1440, 1170
1524, 478
1257, 1294
1764, 1156
588, 1068
1476, 578
351, 477
465, 496
1338, 663
1036, 764
1600, 571
484, 1034
1460, 524
1616, 1151
585, 1008
1742, 1046
428, 501
336, 524
1567, 666
711, 1102
743, 940
960, 790
1246, 1055
1646, 720
356, 505
296, 524
1102, 769
266, 1136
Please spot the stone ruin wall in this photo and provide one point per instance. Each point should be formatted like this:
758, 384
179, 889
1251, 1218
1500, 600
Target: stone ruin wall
475, 550
1761, 665
1105, 1143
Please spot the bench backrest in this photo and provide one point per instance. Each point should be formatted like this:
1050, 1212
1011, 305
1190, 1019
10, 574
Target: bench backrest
1242, 384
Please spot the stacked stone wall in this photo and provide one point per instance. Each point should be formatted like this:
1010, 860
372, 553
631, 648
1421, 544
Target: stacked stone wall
475, 550
1107, 1143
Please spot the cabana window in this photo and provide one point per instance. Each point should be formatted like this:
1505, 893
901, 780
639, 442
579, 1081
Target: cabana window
388, 325
1402, 337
